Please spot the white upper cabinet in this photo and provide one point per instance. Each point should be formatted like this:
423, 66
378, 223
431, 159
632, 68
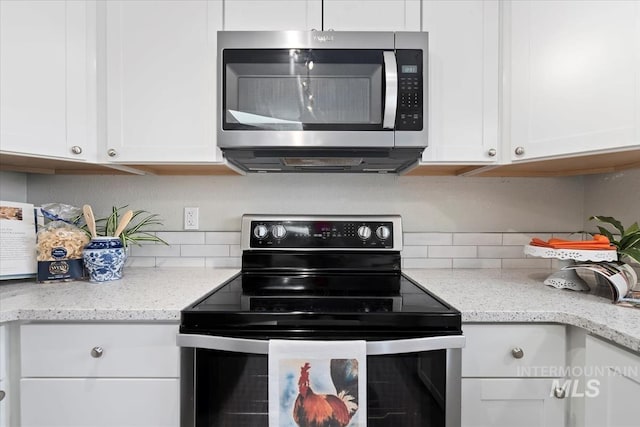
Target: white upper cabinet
371, 15
160, 80
338, 15
463, 80
260, 15
47, 79
574, 77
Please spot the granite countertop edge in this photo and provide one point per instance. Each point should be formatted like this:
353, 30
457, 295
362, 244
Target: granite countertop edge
481, 295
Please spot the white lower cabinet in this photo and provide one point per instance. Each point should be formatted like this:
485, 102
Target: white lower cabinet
614, 396
4, 396
508, 375
104, 402
4, 404
99, 375
489, 402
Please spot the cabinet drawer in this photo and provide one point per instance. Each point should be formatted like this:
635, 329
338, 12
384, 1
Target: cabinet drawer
72, 350
513, 350
99, 402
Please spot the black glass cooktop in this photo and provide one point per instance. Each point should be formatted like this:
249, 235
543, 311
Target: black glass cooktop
307, 305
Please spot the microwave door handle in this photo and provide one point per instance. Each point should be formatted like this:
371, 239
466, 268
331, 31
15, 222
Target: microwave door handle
391, 91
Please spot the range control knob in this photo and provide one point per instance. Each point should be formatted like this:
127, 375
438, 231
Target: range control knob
279, 231
364, 232
260, 231
383, 232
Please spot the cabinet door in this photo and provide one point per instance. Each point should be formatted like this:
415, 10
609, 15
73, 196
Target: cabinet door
575, 77
371, 15
614, 398
4, 404
260, 15
490, 402
99, 402
47, 78
160, 80
4, 397
463, 80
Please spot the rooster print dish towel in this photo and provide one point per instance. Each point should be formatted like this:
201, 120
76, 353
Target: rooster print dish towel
317, 383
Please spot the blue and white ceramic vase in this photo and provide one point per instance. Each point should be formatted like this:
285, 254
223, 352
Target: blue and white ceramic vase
104, 259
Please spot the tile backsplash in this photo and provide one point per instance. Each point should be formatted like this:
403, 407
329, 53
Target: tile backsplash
221, 249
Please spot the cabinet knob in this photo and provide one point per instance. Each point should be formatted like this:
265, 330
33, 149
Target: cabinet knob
111, 152
76, 149
519, 151
97, 352
492, 152
517, 353
2, 395
559, 392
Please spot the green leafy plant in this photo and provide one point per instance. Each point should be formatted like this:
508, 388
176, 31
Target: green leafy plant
626, 240
136, 232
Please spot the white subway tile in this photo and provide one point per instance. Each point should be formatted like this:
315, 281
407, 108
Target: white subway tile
477, 238
426, 263
512, 239
526, 263
205, 250
142, 261
500, 252
418, 239
557, 264
182, 237
155, 250
222, 238
572, 236
453, 252
180, 262
476, 263
224, 262
414, 252
234, 250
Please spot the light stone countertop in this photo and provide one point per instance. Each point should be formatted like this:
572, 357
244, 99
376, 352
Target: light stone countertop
521, 296
142, 294
483, 295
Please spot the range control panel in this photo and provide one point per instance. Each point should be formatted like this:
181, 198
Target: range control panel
272, 233
410, 90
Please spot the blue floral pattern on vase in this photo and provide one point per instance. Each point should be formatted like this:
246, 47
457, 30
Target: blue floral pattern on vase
104, 259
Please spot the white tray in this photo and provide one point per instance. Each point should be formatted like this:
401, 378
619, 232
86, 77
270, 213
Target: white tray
572, 254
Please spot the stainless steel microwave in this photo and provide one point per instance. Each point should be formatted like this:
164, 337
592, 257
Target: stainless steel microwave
313, 101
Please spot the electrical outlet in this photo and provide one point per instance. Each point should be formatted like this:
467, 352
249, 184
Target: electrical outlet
190, 218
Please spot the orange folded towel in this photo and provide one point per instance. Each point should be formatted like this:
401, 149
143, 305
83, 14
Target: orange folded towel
599, 242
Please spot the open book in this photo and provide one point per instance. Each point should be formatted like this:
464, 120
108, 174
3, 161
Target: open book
620, 277
17, 240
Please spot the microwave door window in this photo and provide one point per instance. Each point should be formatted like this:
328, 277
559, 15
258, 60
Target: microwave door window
303, 89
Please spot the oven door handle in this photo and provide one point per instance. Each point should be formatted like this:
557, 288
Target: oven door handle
391, 89
374, 348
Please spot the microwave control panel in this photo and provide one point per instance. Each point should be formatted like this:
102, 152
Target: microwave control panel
410, 90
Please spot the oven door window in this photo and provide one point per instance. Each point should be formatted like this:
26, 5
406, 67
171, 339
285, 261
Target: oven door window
303, 89
231, 389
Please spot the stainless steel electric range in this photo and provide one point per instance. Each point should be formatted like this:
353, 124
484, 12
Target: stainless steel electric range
321, 278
